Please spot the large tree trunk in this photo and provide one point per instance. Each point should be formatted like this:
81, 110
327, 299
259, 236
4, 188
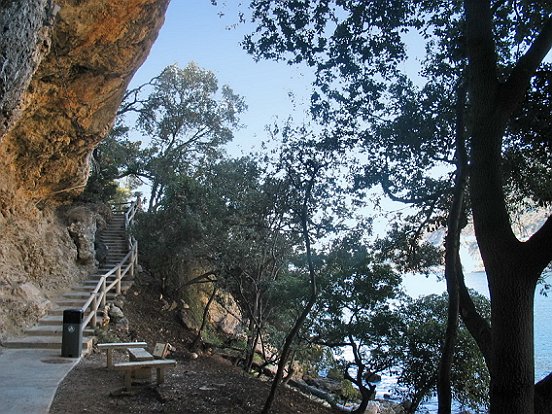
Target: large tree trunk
512, 367
512, 267
512, 279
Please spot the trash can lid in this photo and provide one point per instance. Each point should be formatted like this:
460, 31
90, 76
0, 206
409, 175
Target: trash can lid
72, 316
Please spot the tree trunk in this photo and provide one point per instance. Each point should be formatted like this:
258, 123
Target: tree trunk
418, 398
477, 326
444, 393
309, 305
512, 367
253, 334
453, 266
367, 393
512, 267
512, 280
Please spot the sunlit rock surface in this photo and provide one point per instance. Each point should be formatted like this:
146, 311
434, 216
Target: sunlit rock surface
64, 68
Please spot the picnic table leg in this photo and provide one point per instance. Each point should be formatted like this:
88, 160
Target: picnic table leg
128, 379
160, 375
110, 358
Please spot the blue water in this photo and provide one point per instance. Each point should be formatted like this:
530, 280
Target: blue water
416, 285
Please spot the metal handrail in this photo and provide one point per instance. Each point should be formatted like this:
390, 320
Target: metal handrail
131, 212
98, 296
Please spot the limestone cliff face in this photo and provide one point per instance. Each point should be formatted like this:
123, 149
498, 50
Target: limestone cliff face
68, 106
64, 67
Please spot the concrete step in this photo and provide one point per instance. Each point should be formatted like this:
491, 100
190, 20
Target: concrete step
47, 334
83, 295
70, 304
112, 262
44, 342
102, 272
59, 313
57, 320
92, 283
52, 330
125, 286
51, 320
97, 276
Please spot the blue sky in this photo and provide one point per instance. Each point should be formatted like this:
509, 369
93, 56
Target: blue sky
193, 31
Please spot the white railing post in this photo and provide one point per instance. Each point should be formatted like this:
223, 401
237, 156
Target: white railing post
136, 253
118, 277
94, 311
132, 263
104, 293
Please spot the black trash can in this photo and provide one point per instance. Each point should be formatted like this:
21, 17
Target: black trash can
71, 340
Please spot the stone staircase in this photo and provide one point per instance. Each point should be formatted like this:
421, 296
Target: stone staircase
47, 333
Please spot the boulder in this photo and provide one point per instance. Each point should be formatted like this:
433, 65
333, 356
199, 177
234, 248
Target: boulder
122, 326
101, 251
327, 384
81, 224
373, 407
116, 313
223, 316
373, 377
187, 320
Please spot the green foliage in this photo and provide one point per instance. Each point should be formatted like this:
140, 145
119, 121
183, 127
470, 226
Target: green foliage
528, 144
105, 335
349, 392
108, 160
412, 138
187, 120
184, 118
406, 249
355, 310
419, 353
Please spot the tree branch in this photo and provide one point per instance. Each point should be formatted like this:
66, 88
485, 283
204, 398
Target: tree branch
481, 47
538, 246
514, 89
543, 395
477, 326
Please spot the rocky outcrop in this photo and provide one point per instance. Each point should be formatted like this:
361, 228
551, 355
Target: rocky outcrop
26, 39
71, 99
83, 222
36, 254
64, 66
224, 314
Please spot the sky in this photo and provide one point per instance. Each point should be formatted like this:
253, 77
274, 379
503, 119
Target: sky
194, 31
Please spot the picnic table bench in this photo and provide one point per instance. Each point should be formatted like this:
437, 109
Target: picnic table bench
119, 345
130, 368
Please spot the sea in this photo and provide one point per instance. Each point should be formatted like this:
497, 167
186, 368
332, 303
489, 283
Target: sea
420, 285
